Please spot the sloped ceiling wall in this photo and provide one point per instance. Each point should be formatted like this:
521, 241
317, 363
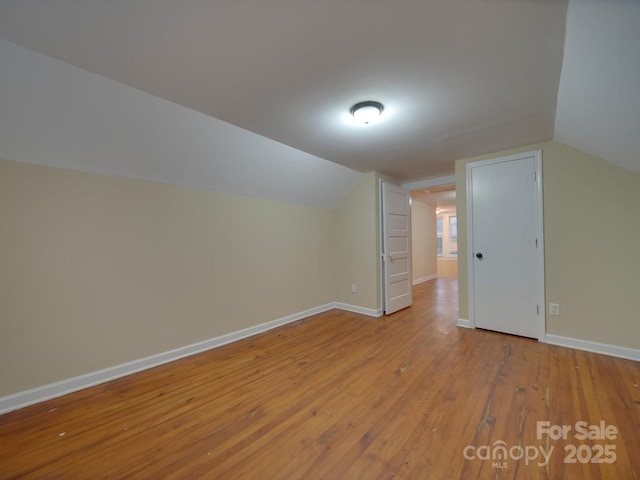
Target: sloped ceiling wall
598, 108
56, 114
59, 115
457, 77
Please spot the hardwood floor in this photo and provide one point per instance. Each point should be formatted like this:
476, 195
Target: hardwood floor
341, 395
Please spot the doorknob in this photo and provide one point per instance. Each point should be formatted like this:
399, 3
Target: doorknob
479, 256
390, 258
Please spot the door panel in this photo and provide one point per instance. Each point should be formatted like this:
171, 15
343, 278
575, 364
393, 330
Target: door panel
396, 218
503, 236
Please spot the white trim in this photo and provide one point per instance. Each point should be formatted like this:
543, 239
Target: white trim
429, 182
63, 387
595, 347
537, 155
470, 283
356, 309
425, 279
463, 323
380, 232
540, 272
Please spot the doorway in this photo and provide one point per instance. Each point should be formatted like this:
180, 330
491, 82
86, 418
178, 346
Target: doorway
434, 238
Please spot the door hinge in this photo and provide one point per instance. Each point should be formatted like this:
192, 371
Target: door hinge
536, 243
538, 309
535, 176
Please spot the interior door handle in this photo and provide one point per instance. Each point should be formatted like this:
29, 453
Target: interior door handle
390, 258
479, 256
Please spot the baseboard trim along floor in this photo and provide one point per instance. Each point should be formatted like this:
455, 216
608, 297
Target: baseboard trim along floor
64, 387
418, 281
464, 323
595, 347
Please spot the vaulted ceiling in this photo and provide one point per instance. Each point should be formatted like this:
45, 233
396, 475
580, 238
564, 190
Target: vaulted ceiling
457, 77
599, 96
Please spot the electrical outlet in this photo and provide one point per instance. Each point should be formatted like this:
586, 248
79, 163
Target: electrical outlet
354, 288
554, 308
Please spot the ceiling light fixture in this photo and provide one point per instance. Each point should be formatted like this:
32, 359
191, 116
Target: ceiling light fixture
367, 112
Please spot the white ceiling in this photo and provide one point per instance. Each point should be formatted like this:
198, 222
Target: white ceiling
443, 198
458, 77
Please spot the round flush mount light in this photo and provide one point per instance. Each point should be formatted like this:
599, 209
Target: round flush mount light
367, 112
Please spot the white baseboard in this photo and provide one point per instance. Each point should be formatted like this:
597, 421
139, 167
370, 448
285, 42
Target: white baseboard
58, 389
64, 387
464, 323
425, 279
605, 349
595, 347
355, 309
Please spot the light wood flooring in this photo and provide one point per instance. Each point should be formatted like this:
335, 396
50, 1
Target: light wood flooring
341, 395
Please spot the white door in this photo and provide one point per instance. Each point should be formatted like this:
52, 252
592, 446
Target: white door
396, 219
506, 263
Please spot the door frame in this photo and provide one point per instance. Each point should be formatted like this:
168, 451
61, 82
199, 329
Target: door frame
410, 185
539, 226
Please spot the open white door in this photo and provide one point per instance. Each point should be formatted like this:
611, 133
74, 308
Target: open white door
396, 227
506, 260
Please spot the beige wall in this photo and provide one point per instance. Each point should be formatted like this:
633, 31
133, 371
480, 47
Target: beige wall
97, 270
592, 233
357, 220
447, 267
423, 239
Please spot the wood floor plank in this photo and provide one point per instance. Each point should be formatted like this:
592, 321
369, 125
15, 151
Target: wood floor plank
341, 396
